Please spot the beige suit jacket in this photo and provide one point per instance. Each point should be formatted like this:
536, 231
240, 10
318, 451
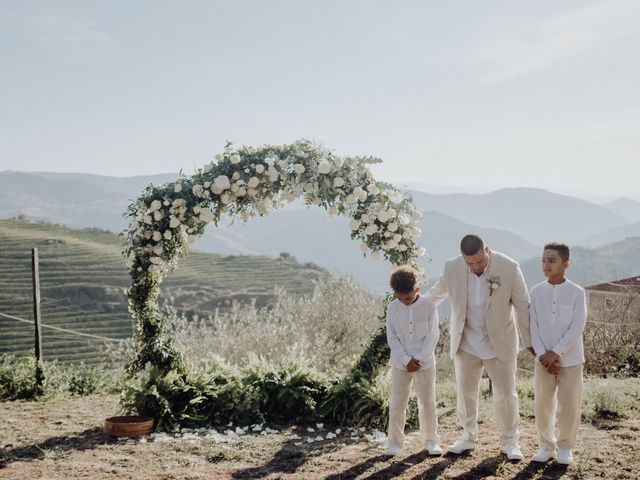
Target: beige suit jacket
507, 310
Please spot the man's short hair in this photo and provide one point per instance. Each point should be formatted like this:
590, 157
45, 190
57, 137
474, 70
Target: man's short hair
471, 244
561, 248
404, 279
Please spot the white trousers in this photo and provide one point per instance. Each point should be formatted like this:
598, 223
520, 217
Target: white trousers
561, 392
424, 383
505, 397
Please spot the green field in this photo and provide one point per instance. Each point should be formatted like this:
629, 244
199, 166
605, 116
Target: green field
83, 277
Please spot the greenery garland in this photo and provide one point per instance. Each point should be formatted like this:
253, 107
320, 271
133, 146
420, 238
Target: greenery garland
165, 221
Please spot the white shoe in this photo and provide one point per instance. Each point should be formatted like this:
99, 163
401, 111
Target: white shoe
392, 451
565, 457
513, 452
433, 448
460, 446
543, 456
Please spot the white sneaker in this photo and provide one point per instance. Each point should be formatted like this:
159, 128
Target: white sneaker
565, 457
543, 456
392, 451
460, 446
513, 452
433, 448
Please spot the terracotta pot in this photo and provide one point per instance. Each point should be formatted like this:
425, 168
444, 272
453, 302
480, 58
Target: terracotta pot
128, 426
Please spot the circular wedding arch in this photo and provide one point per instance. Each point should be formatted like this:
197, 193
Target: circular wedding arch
165, 221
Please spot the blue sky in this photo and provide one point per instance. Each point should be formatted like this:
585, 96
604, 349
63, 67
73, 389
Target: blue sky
482, 94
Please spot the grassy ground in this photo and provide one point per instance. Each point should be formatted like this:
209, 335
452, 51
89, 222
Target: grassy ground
61, 438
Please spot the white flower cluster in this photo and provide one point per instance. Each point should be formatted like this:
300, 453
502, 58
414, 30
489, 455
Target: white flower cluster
250, 182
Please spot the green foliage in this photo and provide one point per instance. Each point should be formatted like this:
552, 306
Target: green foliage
18, 378
289, 392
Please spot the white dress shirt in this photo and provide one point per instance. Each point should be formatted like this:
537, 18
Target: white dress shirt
412, 331
558, 314
475, 337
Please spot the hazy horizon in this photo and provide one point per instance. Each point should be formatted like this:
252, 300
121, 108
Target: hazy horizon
480, 96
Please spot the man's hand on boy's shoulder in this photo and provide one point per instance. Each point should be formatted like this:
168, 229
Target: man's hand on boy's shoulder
413, 365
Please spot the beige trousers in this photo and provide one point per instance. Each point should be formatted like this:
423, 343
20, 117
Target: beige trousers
561, 392
505, 397
424, 383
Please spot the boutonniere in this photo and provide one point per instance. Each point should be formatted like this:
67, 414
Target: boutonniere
494, 283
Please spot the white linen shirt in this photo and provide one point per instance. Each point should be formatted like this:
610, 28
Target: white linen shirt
475, 337
412, 331
558, 314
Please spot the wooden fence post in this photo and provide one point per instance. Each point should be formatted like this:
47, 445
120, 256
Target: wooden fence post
36, 317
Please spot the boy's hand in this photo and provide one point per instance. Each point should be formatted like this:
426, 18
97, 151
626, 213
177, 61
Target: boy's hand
413, 365
549, 358
554, 369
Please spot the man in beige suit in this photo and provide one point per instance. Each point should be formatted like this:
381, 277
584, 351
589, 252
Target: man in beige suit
488, 298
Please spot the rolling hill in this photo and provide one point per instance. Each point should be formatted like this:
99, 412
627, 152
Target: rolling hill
83, 277
528, 212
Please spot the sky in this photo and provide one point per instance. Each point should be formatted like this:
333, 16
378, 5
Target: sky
485, 95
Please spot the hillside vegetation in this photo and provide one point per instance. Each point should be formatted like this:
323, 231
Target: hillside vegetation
83, 276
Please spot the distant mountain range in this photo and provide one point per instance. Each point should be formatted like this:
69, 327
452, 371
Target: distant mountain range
516, 221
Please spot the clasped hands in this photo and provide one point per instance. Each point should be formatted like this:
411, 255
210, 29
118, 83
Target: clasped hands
550, 360
413, 365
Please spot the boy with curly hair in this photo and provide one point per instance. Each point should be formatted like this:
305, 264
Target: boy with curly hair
412, 334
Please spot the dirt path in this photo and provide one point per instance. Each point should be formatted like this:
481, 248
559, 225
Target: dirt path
62, 439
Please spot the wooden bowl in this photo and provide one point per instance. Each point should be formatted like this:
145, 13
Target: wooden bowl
128, 426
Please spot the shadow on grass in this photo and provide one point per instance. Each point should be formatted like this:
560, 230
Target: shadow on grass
58, 446
288, 459
398, 467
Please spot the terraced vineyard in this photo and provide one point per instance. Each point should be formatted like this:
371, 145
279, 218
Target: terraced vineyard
83, 277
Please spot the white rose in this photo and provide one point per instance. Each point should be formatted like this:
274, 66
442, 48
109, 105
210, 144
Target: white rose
235, 158
259, 168
148, 219
364, 247
283, 164
416, 216
252, 192
155, 260
269, 161
366, 218
155, 205
362, 196
373, 189
241, 192
392, 227
235, 187
197, 190
158, 215
397, 237
235, 176
421, 251
324, 167
208, 167
177, 188
253, 182
174, 222
350, 199
383, 216
157, 236
338, 182
207, 215
273, 174
299, 168
354, 224
225, 199
217, 189
147, 235
167, 235
337, 161
371, 229
416, 232
402, 247
219, 157
222, 181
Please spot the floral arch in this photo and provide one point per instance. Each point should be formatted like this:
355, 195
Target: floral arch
165, 221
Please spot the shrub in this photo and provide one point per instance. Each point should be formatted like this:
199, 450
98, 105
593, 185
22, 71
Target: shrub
611, 399
17, 378
288, 392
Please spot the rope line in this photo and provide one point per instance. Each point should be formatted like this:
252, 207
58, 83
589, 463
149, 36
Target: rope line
66, 330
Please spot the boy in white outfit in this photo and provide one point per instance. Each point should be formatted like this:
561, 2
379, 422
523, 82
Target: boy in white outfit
412, 334
558, 314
